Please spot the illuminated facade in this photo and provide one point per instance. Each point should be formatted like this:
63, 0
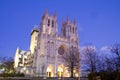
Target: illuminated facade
47, 48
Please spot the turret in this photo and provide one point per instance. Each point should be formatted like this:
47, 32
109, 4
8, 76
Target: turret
16, 58
34, 38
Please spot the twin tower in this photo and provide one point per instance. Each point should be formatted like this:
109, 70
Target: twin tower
49, 25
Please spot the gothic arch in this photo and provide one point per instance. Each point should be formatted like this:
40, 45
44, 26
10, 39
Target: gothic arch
63, 70
49, 71
60, 70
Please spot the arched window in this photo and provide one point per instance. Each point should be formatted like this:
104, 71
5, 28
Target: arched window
52, 23
70, 28
48, 49
52, 49
64, 32
73, 29
48, 22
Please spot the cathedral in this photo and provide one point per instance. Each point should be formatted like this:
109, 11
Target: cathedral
44, 58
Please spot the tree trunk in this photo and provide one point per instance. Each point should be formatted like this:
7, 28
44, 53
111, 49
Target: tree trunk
71, 69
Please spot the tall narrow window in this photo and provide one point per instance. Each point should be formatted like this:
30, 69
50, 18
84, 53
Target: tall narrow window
52, 23
48, 49
64, 32
70, 28
73, 29
48, 22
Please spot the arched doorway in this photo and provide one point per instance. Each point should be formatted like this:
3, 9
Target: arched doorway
75, 73
49, 71
62, 50
60, 70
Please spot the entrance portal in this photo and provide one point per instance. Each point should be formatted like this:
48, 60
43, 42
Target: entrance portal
49, 71
60, 70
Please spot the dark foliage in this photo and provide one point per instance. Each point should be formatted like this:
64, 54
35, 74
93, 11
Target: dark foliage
104, 75
7, 68
12, 75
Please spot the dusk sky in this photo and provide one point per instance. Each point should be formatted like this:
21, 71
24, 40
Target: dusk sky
98, 21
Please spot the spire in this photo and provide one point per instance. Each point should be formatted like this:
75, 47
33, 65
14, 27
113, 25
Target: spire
62, 23
46, 12
55, 14
17, 50
67, 19
74, 21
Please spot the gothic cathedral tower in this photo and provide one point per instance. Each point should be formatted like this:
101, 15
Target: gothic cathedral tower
47, 47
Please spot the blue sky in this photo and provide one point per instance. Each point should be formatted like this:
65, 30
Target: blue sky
98, 21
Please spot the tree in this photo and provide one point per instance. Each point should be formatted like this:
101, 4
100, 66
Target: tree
90, 58
106, 66
72, 59
115, 49
7, 66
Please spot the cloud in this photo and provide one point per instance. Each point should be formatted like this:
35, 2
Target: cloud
105, 48
105, 51
89, 46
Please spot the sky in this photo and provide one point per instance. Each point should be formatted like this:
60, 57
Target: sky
98, 21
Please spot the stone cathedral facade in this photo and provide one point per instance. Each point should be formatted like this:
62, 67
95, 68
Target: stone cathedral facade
47, 47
